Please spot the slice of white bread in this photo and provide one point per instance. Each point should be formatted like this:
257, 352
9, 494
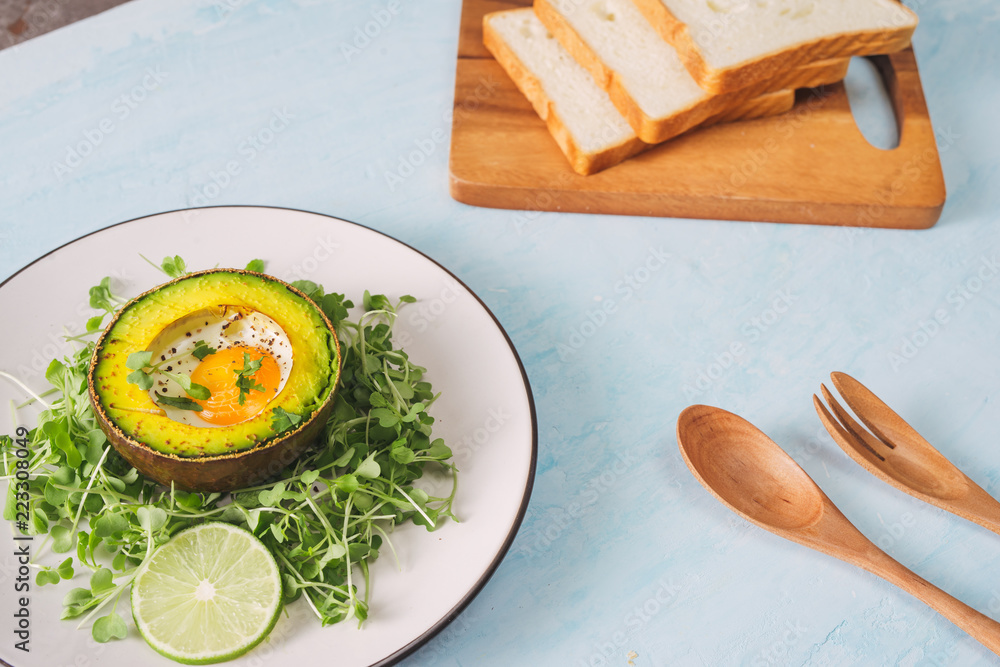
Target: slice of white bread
644, 75
580, 116
591, 133
731, 44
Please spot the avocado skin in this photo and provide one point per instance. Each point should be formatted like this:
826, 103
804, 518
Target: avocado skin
229, 465
219, 473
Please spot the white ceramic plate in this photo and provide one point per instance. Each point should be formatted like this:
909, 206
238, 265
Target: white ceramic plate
485, 414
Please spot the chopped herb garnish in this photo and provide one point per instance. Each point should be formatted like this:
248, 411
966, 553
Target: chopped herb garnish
179, 402
244, 377
282, 420
202, 350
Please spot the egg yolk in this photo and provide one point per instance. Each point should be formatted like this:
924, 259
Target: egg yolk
219, 372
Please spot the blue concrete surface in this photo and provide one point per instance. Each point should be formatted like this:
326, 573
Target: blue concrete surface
623, 558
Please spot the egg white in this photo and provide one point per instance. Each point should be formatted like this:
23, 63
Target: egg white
220, 327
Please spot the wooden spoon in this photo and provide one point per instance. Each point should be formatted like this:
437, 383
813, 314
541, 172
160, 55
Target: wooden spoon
755, 478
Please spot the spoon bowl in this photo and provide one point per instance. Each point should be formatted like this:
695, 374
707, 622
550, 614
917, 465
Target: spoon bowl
744, 469
755, 478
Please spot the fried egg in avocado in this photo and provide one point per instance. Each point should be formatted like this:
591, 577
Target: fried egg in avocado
215, 348
216, 379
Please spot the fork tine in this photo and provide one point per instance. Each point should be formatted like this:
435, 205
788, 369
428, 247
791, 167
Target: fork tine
840, 434
851, 426
880, 419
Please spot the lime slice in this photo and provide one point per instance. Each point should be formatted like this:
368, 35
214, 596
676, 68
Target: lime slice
211, 593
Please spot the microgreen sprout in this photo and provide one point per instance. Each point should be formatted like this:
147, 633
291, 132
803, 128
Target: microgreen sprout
101, 298
326, 518
172, 267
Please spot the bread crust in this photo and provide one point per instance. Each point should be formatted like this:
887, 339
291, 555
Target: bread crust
762, 106
844, 45
582, 162
656, 130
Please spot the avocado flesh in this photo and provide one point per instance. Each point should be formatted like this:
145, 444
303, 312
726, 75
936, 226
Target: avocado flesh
130, 410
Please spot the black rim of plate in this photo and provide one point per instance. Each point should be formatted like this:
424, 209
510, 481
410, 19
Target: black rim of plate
457, 610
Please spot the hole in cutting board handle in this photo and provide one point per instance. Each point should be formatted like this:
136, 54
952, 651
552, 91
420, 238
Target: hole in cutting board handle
871, 104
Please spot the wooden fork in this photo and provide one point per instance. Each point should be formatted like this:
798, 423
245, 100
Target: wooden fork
895, 453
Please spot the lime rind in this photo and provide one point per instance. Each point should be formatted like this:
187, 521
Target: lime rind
210, 594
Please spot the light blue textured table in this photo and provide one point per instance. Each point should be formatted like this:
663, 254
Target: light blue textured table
623, 558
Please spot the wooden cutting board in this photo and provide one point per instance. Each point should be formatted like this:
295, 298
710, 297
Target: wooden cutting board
810, 165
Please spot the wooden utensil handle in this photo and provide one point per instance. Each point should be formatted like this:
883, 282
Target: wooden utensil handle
979, 507
979, 626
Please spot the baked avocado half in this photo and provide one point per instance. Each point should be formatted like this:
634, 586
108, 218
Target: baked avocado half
200, 320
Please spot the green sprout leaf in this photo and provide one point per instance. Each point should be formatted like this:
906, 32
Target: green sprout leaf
101, 580
138, 360
282, 420
270, 497
369, 468
109, 627
174, 266
141, 378
101, 297
62, 538
65, 569
47, 576
151, 518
